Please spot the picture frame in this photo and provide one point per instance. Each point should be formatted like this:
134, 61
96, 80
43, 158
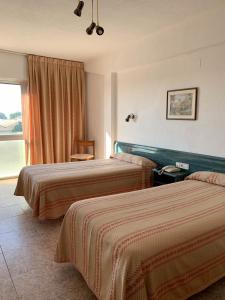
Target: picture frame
182, 104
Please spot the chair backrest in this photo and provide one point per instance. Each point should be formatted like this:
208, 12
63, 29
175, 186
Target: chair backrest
85, 145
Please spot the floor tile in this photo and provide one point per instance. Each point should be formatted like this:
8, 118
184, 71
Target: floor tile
7, 290
10, 211
54, 281
18, 239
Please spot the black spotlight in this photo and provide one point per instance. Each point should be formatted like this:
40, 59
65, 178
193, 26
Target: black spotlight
79, 8
99, 30
90, 29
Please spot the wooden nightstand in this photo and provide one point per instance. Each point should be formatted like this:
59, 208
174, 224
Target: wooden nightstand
167, 178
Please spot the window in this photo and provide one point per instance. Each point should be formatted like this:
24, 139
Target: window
12, 152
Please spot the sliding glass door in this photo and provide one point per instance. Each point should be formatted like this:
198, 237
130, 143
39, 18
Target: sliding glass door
12, 149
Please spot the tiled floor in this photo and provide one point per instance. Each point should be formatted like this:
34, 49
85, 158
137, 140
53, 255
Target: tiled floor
27, 247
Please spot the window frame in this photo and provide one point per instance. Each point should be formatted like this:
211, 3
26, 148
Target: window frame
12, 137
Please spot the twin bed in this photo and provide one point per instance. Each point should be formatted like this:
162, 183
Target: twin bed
162, 243
157, 243
50, 189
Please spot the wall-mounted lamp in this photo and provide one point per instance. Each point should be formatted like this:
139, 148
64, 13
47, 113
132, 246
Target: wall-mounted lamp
130, 117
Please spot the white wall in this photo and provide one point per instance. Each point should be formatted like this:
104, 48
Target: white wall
191, 54
13, 67
95, 111
143, 91
101, 111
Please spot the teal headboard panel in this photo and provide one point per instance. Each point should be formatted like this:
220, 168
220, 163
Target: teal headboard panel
163, 157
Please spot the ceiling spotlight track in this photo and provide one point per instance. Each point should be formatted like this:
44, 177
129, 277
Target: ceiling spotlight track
90, 29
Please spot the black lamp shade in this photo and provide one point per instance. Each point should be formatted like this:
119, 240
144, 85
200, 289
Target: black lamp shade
79, 8
91, 28
99, 30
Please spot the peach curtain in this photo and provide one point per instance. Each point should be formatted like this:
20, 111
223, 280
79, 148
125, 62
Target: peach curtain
53, 109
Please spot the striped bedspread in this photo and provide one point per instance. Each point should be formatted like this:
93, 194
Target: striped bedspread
164, 243
51, 189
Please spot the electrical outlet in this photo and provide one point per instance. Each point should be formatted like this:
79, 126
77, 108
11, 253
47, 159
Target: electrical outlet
182, 165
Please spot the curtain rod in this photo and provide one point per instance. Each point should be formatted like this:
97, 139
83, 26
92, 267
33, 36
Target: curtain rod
25, 54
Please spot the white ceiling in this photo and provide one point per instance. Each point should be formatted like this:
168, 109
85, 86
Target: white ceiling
49, 27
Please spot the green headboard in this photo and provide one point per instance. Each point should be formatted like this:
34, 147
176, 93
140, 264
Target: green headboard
163, 157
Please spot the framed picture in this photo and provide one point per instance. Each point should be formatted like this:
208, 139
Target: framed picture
182, 104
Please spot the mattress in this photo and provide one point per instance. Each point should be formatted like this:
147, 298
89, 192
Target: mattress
166, 242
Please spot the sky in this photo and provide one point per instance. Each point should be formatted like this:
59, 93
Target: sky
10, 98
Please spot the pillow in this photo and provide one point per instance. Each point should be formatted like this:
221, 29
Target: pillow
134, 159
210, 177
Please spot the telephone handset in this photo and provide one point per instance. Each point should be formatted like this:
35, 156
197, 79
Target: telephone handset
169, 169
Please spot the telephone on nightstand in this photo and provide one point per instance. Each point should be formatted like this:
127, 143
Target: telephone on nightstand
169, 169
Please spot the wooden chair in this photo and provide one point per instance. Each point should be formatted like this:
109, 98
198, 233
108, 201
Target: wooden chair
83, 146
